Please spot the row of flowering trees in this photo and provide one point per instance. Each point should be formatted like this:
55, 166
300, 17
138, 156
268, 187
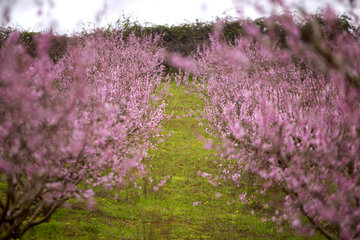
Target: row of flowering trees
287, 108
68, 127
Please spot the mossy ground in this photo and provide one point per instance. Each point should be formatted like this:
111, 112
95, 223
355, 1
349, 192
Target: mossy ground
169, 212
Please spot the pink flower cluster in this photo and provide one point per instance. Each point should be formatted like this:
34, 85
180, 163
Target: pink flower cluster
161, 183
208, 176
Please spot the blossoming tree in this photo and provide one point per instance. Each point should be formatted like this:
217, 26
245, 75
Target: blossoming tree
285, 101
66, 128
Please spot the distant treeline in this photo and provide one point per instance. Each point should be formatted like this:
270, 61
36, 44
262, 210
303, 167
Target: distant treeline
58, 43
185, 38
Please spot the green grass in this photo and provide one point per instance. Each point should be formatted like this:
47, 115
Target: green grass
169, 213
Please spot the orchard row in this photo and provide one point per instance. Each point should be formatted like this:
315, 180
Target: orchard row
286, 112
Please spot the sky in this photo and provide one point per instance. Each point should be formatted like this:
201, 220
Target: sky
68, 16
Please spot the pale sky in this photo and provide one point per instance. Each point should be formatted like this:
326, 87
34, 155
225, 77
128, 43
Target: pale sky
71, 15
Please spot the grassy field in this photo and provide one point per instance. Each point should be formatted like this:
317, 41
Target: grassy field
169, 212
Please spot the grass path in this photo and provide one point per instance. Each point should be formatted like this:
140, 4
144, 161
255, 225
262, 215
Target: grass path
169, 212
